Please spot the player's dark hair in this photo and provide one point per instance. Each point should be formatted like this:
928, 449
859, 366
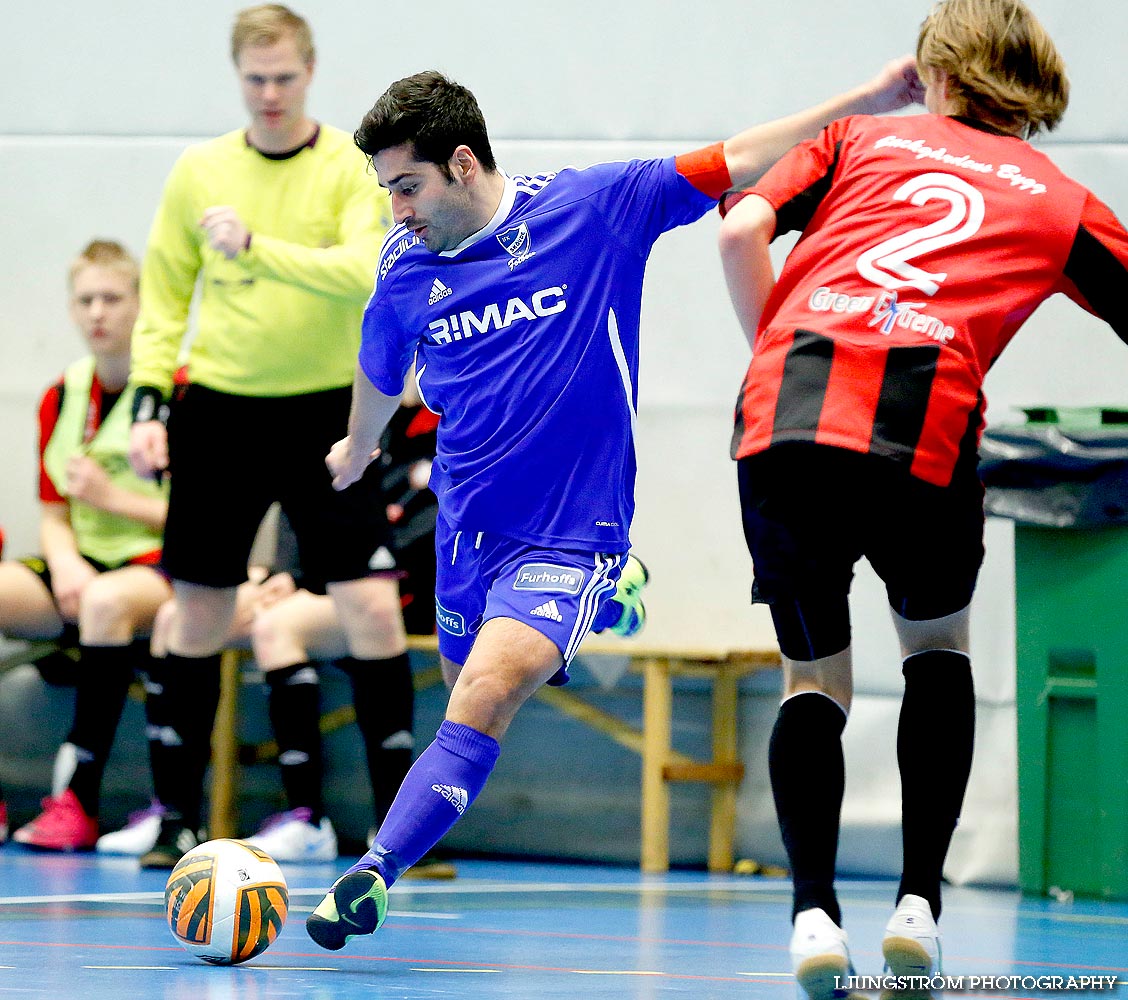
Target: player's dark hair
434, 114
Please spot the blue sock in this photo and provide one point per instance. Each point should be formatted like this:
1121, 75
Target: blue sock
438, 789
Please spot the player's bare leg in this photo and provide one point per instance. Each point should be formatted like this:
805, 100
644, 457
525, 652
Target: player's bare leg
113, 608
508, 662
26, 608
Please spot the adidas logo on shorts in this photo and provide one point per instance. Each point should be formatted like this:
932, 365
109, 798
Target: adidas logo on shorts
548, 610
457, 797
439, 291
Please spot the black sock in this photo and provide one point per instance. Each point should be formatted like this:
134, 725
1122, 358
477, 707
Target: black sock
935, 737
158, 722
808, 775
384, 700
103, 680
183, 694
294, 703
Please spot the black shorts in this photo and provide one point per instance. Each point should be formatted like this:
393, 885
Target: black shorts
231, 456
811, 511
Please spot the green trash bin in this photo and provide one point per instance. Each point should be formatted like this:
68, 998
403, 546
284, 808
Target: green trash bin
1063, 476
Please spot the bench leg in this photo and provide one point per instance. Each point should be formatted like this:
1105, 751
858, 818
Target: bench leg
722, 825
223, 818
657, 708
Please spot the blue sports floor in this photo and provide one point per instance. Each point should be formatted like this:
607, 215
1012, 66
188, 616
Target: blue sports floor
89, 928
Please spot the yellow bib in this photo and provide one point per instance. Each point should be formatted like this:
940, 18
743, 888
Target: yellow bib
107, 538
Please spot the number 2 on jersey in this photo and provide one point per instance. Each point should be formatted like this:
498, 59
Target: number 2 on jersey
887, 264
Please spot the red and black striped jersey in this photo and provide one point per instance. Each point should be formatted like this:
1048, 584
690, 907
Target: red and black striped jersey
927, 242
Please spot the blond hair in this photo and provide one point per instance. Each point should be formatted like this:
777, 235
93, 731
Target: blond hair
268, 24
106, 253
1002, 66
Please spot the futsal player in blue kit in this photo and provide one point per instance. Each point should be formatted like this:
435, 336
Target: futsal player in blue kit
519, 299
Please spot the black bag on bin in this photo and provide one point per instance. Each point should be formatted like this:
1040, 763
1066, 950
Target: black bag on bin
1065, 468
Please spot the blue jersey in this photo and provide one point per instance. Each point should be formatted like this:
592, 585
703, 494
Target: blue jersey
526, 343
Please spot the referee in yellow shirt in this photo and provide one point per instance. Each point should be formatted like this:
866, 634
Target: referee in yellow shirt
279, 227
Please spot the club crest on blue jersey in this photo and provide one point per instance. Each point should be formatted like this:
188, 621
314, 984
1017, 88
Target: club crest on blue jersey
550, 578
518, 244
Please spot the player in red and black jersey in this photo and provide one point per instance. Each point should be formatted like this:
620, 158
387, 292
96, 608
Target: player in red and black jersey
96, 583
927, 242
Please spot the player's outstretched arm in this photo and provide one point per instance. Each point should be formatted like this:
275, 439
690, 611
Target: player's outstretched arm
371, 410
751, 152
745, 235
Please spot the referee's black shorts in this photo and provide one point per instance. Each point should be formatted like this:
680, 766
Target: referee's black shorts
811, 511
231, 456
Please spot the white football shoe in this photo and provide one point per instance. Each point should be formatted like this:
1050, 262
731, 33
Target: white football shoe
290, 836
911, 946
819, 956
138, 835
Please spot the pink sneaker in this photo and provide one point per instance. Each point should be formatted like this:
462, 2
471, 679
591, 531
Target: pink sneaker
62, 826
3, 821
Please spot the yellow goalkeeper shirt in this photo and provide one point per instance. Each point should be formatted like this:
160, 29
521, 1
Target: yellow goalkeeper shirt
283, 317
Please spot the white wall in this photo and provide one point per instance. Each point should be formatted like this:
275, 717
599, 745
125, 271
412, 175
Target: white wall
99, 99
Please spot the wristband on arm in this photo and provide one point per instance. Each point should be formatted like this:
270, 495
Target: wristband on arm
148, 404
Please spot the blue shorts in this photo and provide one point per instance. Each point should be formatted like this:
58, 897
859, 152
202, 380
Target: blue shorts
483, 575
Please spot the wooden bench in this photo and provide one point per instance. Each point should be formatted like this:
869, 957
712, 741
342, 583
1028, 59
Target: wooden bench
661, 763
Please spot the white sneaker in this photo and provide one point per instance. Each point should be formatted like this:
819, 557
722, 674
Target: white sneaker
138, 835
912, 940
290, 836
819, 956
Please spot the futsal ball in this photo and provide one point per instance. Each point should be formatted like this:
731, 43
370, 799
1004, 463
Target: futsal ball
226, 901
